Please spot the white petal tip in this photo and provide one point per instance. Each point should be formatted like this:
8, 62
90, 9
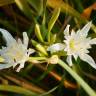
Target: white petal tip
56, 47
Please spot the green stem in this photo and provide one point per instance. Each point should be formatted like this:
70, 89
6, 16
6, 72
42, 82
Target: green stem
84, 85
36, 58
17, 89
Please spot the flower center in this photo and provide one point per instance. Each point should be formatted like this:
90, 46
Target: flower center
75, 45
15, 53
72, 44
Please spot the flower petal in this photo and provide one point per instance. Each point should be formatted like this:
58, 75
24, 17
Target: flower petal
69, 60
30, 51
20, 67
19, 41
66, 31
75, 56
7, 36
93, 41
85, 29
25, 39
56, 47
3, 66
72, 32
88, 59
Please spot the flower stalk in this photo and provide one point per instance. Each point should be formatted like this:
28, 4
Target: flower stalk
36, 58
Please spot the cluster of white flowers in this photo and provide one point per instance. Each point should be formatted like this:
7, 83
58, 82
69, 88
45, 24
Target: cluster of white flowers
15, 52
76, 44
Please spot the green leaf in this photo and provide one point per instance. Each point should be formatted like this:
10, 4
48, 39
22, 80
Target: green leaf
50, 91
44, 12
38, 33
17, 89
37, 5
53, 39
24, 7
52, 21
44, 31
80, 81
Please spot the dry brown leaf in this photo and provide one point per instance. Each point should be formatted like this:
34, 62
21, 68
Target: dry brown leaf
87, 12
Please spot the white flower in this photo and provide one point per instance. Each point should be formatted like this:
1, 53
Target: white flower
15, 52
56, 47
77, 45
